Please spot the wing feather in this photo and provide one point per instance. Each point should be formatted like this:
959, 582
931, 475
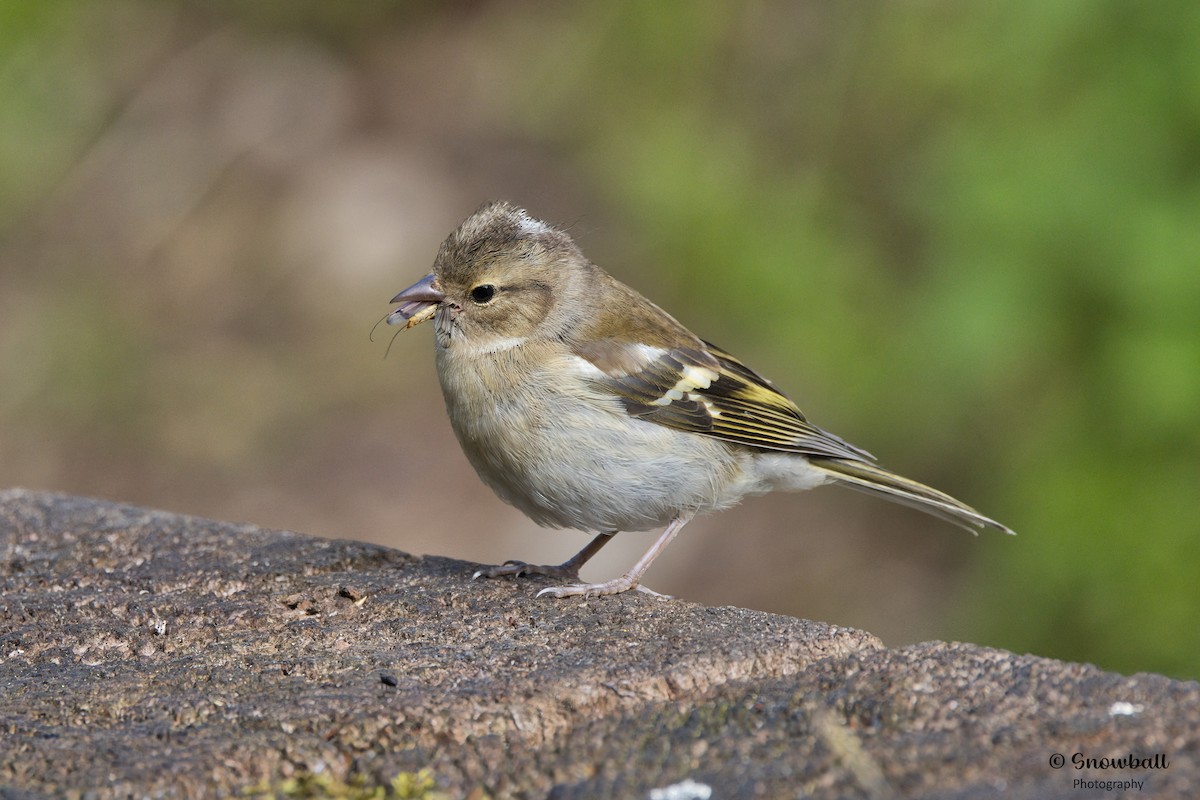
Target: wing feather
706, 390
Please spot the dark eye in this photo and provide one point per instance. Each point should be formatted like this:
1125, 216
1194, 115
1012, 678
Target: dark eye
483, 293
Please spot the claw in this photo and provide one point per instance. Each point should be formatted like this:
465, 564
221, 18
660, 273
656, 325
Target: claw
597, 589
516, 569
615, 586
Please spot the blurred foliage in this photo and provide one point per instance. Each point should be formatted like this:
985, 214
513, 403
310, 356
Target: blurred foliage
984, 223
963, 233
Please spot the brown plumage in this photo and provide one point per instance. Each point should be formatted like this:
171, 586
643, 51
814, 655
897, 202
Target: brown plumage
587, 406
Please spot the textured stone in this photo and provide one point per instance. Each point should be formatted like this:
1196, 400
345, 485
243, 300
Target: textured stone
144, 653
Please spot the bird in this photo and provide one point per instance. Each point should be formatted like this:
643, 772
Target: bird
586, 406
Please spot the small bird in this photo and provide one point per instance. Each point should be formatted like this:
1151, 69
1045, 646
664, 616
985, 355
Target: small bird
587, 406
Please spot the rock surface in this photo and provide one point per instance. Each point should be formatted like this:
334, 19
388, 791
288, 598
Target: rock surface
144, 653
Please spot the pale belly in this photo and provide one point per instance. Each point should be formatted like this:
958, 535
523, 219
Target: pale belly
572, 462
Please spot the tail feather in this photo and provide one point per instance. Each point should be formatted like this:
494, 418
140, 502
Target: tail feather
890, 486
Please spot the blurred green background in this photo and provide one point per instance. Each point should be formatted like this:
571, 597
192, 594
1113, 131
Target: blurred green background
965, 236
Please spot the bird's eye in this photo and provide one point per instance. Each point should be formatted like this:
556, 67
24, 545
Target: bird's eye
483, 293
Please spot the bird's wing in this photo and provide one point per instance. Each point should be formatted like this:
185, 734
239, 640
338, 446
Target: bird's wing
705, 390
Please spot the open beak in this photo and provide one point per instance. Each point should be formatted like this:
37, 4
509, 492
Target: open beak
418, 303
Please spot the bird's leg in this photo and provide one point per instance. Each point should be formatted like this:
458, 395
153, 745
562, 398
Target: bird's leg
567, 569
631, 578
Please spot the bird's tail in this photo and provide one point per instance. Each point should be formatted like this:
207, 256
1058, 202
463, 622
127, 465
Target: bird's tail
890, 486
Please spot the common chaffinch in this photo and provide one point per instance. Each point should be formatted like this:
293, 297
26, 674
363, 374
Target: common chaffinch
587, 406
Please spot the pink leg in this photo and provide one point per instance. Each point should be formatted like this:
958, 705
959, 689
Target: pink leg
631, 578
567, 569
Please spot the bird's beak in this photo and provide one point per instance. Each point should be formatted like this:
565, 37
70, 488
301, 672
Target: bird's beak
418, 303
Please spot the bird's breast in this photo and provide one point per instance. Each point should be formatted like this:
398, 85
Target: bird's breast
549, 443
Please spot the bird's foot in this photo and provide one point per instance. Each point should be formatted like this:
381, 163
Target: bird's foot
617, 585
516, 569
